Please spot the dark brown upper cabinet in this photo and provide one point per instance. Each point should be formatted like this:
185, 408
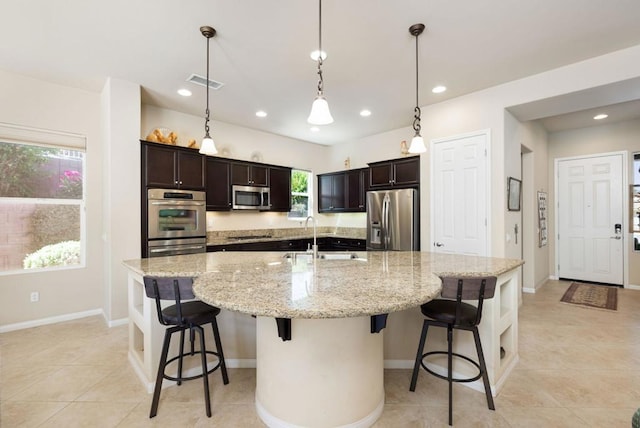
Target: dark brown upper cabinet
404, 172
172, 167
218, 184
342, 191
280, 188
249, 174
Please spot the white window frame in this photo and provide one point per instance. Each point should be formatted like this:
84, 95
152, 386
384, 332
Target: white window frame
15, 134
308, 194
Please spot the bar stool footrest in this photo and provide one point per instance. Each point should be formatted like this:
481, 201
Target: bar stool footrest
453, 354
198, 376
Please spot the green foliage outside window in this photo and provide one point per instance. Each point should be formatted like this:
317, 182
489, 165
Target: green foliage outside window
299, 193
20, 166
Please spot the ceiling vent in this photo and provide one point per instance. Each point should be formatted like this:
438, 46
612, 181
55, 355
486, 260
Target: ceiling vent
202, 81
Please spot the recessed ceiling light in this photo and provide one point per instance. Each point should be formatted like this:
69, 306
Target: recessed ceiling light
365, 113
314, 129
184, 92
261, 113
314, 55
439, 89
600, 116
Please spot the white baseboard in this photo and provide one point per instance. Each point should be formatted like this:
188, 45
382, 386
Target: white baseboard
238, 363
116, 323
50, 320
633, 287
399, 364
528, 290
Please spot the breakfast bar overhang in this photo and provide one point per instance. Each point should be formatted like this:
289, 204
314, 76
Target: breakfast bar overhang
319, 337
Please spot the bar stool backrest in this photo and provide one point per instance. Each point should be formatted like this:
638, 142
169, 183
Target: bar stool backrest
168, 288
470, 288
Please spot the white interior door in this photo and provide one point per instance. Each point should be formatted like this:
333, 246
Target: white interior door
459, 195
590, 205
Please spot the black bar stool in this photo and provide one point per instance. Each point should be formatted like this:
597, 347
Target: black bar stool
456, 314
183, 316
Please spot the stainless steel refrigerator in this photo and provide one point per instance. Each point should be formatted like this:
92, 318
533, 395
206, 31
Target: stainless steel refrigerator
393, 220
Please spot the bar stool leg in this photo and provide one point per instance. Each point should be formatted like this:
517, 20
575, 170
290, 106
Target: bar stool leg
450, 369
416, 366
205, 375
180, 355
160, 375
483, 369
223, 365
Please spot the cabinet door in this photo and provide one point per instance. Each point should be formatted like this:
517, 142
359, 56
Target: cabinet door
380, 175
339, 188
259, 175
332, 192
355, 190
407, 172
240, 174
217, 185
191, 170
160, 167
280, 190
325, 192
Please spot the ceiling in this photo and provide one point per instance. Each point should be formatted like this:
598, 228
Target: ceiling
261, 52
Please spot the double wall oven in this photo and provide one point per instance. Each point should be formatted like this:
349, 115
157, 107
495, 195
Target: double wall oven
176, 222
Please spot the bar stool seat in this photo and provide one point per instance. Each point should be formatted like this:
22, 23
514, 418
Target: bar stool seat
181, 317
452, 315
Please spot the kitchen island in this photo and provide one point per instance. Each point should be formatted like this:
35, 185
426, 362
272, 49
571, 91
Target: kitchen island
321, 363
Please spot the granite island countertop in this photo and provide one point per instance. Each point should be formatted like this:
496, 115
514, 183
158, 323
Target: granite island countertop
268, 284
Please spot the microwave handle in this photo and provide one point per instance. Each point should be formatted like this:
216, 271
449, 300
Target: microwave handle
265, 199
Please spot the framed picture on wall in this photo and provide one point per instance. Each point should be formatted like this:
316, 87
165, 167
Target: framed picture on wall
514, 190
542, 219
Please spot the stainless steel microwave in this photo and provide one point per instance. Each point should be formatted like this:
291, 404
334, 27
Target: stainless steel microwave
250, 198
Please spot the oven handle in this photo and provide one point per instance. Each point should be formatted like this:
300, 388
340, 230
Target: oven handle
166, 250
188, 203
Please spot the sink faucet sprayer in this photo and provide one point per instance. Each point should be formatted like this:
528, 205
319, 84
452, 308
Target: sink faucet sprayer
314, 248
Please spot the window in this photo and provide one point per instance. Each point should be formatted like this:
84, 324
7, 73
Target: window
300, 194
41, 200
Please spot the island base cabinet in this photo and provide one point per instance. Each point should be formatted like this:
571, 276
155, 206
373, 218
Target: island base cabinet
330, 373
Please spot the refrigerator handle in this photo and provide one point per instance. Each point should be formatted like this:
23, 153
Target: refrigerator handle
385, 221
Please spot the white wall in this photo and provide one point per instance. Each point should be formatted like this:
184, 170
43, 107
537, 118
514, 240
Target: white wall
121, 172
34, 103
621, 136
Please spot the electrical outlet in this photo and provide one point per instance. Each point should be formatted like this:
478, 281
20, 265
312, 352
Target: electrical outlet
35, 296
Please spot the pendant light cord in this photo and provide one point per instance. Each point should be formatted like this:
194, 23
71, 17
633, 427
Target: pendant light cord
320, 80
416, 110
206, 120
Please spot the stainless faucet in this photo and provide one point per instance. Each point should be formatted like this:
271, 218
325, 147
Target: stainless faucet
314, 248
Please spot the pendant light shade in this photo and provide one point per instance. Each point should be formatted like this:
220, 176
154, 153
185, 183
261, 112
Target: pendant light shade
417, 143
207, 147
320, 114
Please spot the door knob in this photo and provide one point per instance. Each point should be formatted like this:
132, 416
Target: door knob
616, 237
438, 244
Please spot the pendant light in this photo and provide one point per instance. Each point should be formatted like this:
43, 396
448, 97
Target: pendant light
320, 114
207, 147
417, 143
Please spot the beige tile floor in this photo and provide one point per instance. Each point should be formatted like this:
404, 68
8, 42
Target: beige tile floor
578, 368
